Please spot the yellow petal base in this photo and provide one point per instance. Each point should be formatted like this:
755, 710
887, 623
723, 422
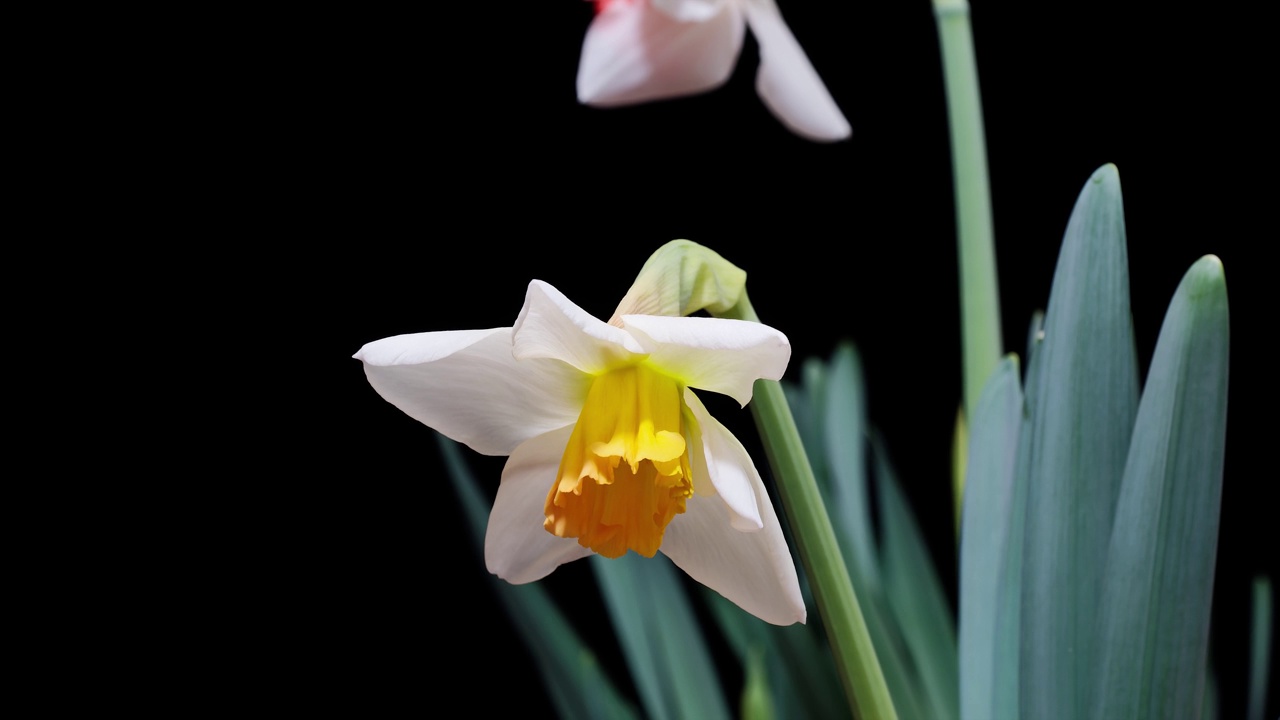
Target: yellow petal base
625, 473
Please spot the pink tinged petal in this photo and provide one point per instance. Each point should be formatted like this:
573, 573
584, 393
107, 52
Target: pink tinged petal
724, 356
729, 468
516, 547
635, 51
754, 569
467, 385
787, 82
551, 327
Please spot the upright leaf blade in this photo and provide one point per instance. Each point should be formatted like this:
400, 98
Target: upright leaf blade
845, 428
802, 678
1259, 648
1083, 404
986, 634
662, 642
578, 687
915, 596
1154, 626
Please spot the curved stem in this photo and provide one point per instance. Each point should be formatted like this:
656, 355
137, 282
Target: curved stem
855, 656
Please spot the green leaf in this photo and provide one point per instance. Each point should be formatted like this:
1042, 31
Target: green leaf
1083, 403
802, 677
959, 459
579, 689
900, 673
1035, 334
1209, 708
662, 642
1260, 648
915, 596
757, 701
845, 427
989, 581
1158, 587
812, 429
834, 394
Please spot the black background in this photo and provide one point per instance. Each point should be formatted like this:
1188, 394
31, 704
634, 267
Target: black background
427, 165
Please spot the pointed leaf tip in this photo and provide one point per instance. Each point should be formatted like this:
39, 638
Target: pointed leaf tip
1106, 174
1206, 275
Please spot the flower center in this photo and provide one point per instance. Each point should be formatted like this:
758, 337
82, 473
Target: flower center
625, 473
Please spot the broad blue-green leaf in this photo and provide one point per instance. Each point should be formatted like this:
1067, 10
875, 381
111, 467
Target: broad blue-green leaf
915, 596
578, 687
988, 637
662, 642
1260, 648
1083, 403
845, 427
1158, 587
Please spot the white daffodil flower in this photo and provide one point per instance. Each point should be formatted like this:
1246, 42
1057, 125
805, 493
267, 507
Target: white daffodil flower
641, 50
610, 448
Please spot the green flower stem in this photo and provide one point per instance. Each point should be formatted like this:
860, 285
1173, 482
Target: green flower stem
979, 293
828, 575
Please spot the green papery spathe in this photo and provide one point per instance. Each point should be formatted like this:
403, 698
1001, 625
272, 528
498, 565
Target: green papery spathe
681, 278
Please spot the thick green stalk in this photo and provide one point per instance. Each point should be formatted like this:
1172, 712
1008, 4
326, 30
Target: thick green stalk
979, 293
816, 539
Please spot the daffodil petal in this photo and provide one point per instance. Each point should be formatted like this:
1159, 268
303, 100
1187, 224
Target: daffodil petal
634, 51
786, 80
690, 10
516, 547
754, 570
552, 327
724, 356
467, 385
728, 467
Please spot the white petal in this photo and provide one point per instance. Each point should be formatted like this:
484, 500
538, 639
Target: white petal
728, 467
754, 570
467, 385
550, 326
724, 356
787, 82
634, 52
516, 547
690, 10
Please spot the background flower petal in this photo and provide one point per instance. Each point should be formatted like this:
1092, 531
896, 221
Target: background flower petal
552, 327
786, 80
516, 547
754, 570
689, 10
724, 356
467, 385
634, 52
728, 466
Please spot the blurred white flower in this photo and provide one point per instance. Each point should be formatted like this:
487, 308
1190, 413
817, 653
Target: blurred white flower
640, 50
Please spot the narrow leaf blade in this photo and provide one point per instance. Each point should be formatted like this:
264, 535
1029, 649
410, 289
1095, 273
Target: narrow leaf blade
578, 687
1158, 587
986, 633
1259, 648
845, 427
662, 642
915, 595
